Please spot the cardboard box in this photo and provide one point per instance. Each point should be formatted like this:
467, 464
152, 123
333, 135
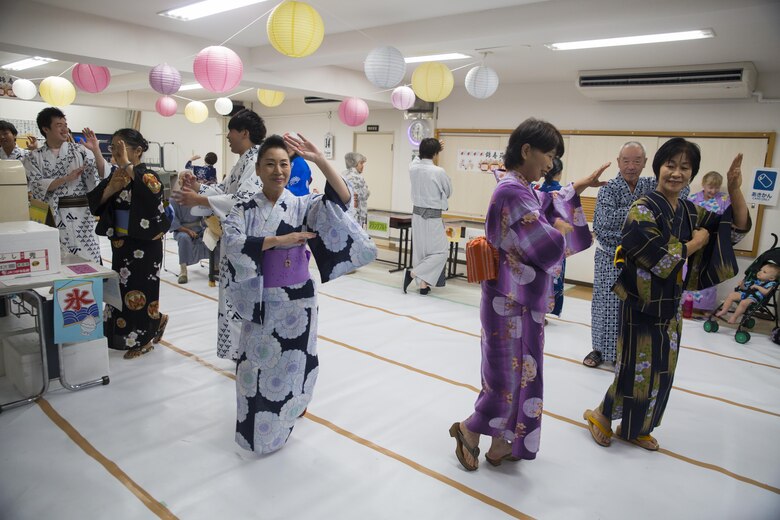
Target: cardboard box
22, 355
84, 361
28, 249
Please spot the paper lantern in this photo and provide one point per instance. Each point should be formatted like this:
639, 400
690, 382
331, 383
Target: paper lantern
270, 98
196, 112
295, 29
24, 89
403, 98
165, 79
432, 81
57, 91
223, 106
91, 78
218, 69
385, 67
353, 111
481, 82
166, 106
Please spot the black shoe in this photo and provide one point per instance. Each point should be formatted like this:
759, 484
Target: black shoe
425, 290
407, 279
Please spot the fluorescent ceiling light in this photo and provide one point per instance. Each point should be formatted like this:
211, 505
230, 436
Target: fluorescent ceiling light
633, 40
206, 8
28, 63
437, 57
190, 86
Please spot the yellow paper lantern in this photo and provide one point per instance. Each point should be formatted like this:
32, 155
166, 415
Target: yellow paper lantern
270, 98
295, 29
432, 81
57, 91
196, 112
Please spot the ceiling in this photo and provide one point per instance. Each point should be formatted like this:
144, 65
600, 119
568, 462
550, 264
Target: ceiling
130, 38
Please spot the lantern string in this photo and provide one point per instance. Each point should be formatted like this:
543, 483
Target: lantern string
348, 25
231, 95
409, 84
66, 70
249, 25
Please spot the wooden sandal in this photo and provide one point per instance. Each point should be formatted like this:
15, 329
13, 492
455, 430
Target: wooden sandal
497, 462
593, 360
138, 351
461, 443
593, 423
647, 442
160, 329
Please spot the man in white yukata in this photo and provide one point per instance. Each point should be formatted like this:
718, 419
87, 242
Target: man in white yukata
61, 173
431, 187
246, 130
8, 148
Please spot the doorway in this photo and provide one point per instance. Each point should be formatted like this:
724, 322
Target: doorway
378, 171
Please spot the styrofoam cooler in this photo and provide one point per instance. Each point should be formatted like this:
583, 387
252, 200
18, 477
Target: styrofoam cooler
84, 361
22, 355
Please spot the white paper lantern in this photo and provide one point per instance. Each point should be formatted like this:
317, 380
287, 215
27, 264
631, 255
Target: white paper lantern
196, 112
223, 106
385, 67
403, 98
481, 82
24, 89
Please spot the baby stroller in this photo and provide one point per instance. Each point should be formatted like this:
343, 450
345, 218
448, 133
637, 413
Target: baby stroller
766, 310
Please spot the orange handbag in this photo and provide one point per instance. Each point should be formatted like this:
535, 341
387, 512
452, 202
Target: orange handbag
481, 260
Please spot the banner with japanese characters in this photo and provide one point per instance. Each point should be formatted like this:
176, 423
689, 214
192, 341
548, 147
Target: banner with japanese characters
480, 161
78, 307
764, 186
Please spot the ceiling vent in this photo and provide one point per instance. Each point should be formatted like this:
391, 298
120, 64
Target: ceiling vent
719, 81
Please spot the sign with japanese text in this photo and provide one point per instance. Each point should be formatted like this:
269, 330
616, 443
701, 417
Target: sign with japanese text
78, 310
764, 188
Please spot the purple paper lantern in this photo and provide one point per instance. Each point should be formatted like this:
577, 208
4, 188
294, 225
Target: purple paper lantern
165, 79
166, 106
91, 78
218, 69
353, 111
403, 98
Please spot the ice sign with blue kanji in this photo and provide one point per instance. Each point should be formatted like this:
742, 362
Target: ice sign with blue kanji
765, 188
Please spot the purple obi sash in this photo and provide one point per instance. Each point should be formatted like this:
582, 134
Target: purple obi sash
283, 267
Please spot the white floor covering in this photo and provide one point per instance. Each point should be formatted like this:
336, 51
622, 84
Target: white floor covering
395, 372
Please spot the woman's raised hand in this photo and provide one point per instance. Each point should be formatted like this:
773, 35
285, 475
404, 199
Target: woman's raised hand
734, 175
303, 147
592, 180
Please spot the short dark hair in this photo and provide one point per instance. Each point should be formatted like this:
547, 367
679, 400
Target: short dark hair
557, 168
676, 146
46, 115
132, 138
247, 120
272, 141
429, 147
5, 125
537, 134
210, 159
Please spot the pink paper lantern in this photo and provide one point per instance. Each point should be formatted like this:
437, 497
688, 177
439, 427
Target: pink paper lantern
218, 69
166, 106
91, 78
165, 79
353, 111
403, 98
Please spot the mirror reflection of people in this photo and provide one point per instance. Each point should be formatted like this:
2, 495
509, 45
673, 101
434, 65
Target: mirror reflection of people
205, 174
358, 209
661, 234
268, 264
61, 173
129, 204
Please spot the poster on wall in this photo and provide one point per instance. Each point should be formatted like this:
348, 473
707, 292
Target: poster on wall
328, 146
77, 310
480, 161
765, 186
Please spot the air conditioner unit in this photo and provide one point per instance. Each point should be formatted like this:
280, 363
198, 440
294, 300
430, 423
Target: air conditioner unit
717, 81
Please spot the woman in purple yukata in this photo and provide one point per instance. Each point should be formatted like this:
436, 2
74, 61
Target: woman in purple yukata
273, 293
533, 231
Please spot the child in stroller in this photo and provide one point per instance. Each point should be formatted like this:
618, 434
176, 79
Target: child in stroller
755, 296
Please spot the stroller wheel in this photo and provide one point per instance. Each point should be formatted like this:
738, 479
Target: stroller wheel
749, 323
711, 326
742, 337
